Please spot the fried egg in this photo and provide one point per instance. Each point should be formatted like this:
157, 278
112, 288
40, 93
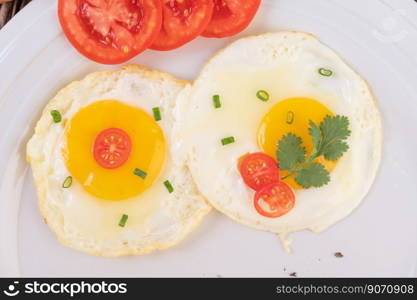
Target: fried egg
149, 201
285, 67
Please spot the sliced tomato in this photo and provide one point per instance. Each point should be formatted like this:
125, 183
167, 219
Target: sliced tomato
231, 17
274, 200
183, 21
112, 148
110, 31
258, 170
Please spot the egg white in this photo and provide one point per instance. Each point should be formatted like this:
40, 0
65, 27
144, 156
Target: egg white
157, 219
286, 65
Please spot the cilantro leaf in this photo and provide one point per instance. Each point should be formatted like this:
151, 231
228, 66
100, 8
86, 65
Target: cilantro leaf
334, 128
335, 150
315, 133
313, 175
290, 152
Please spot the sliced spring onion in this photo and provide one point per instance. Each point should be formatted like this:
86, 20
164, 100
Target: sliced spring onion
228, 140
67, 182
262, 95
56, 116
290, 117
216, 101
325, 72
169, 186
157, 113
140, 173
123, 220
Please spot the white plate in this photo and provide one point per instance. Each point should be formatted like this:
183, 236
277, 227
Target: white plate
378, 38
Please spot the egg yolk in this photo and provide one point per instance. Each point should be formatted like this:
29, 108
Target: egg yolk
292, 115
147, 153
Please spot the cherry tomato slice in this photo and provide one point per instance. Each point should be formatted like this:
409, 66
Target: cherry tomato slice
274, 200
183, 21
231, 17
110, 31
112, 148
258, 170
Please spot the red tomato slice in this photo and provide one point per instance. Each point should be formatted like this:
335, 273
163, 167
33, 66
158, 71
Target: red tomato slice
112, 148
183, 21
274, 200
231, 17
258, 170
110, 31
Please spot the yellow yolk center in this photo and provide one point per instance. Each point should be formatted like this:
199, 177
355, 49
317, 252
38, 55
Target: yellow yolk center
292, 115
147, 153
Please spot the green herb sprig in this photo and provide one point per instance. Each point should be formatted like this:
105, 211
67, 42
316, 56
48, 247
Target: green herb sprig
329, 141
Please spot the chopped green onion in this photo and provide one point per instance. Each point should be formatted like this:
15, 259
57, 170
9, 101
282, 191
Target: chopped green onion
216, 101
228, 140
140, 173
67, 182
325, 72
169, 186
290, 117
262, 95
123, 220
157, 113
56, 116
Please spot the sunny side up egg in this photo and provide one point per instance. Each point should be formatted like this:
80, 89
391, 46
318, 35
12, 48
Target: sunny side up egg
107, 180
253, 93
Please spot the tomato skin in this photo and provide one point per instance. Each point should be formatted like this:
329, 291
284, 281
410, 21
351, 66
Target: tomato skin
279, 198
231, 17
258, 170
125, 45
182, 22
112, 148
